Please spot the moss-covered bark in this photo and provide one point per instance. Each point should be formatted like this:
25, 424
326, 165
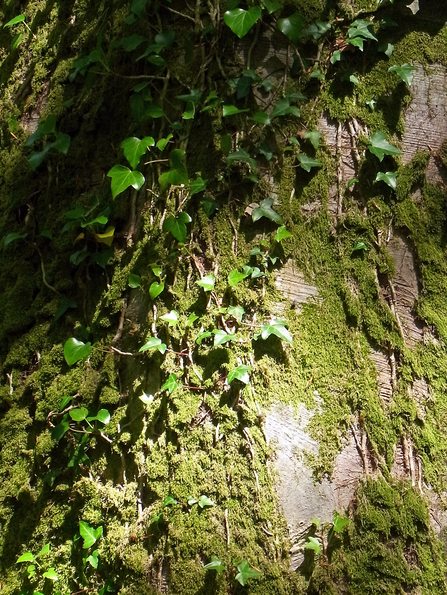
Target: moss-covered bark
207, 437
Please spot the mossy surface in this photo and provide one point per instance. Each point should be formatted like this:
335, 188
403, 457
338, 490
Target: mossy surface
206, 437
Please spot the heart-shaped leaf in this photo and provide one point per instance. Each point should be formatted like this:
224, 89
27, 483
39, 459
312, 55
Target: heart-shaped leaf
75, 350
221, 337
88, 534
215, 564
205, 501
380, 146
278, 328
123, 178
291, 27
197, 186
134, 281
155, 289
62, 427
307, 162
51, 575
246, 572
241, 21
283, 108
235, 277
405, 72
389, 178
26, 557
265, 210
231, 110
282, 234
92, 559
177, 227
171, 317
314, 137
313, 544
240, 373
78, 414
261, 118
103, 416
134, 149
178, 173
171, 384
207, 282
153, 343
236, 312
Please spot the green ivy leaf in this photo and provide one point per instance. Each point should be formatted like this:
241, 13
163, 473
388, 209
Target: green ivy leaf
197, 186
178, 173
360, 246
205, 501
51, 575
240, 373
62, 427
171, 384
405, 72
169, 500
261, 118
278, 328
389, 178
26, 557
171, 318
92, 559
155, 289
134, 149
177, 226
153, 343
215, 564
207, 282
336, 57
75, 350
210, 206
246, 572
313, 544
265, 210
243, 156
134, 281
236, 312
314, 137
235, 277
380, 146
241, 21
282, 234
340, 523
291, 27
202, 336
44, 550
123, 177
307, 162
13, 237
88, 534
221, 337
361, 28
317, 29
283, 108
103, 416
386, 48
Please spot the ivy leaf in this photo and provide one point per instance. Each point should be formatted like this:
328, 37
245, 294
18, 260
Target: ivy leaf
197, 186
278, 328
14, 236
389, 178
178, 173
243, 156
317, 29
171, 384
202, 336
153, 343
314, 137
235, 277
313, 544
241, 21
386, 48
265, 210
123, 177
282, 234
88, 534
246, 572
240, 373
27, 556
215, 564
380, 146
221, 337
51, 575
291, 27
307, 162
236, 312
62, 427
361, 28
339, 523
360, 246
169, 500
336, 57
231, 110
171, 317
205, 501
92, 559
156, 269
75, 350
192, 318
177, 226
371, 104
44, 550
207, 282
155, 289
134, 149
210, 206
283, 108
103, 416
134, 281
261, 118
78, 414
405, 72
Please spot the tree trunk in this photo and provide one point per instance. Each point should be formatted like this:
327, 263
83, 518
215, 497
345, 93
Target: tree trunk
223, 297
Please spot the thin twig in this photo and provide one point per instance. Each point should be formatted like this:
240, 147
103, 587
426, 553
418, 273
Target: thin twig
227, 527
180, 14
43, 272
121, 352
